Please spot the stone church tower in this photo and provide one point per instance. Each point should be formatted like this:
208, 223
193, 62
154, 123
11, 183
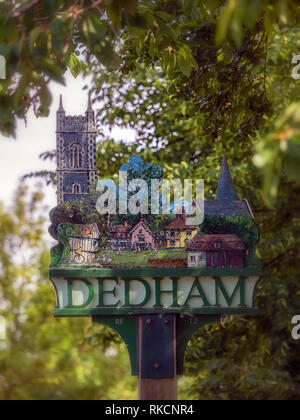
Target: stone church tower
77, 173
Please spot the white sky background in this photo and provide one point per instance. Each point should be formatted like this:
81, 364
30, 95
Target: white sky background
21, 156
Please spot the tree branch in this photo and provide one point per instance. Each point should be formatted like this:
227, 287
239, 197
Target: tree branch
25, 8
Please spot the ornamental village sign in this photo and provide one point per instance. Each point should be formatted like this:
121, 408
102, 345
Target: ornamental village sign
154, 279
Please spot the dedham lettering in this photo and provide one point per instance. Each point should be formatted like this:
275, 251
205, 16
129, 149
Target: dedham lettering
157, 292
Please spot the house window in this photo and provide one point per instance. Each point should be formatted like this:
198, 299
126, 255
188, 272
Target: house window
76, 156
76, 189
193, 259
189, 233
172, 234
172, 243
218, 245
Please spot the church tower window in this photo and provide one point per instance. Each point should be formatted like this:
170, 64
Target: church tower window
76, 189
76, 156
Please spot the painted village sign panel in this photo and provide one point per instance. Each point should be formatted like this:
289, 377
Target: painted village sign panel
124, 264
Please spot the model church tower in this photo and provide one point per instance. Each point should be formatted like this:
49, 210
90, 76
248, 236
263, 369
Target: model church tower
76, 154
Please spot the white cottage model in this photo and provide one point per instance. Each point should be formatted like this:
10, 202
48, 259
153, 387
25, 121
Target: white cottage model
85, 244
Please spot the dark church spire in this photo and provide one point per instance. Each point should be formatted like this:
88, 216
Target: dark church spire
226, 189
61, 108
90, 108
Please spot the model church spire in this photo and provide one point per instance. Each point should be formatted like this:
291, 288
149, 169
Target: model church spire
90, 108
226, 190
61, 108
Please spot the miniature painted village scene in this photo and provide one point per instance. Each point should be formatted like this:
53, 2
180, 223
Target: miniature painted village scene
225, 239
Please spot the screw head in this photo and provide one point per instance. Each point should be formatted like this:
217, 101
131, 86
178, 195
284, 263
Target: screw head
166, 321
157, 365
149, 321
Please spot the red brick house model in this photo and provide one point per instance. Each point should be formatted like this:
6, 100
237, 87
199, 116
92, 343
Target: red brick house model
216, 251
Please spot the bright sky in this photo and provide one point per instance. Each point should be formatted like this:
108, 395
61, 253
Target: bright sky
21, 156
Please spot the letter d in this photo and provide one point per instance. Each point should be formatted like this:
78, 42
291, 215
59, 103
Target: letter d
91, 294
127, 292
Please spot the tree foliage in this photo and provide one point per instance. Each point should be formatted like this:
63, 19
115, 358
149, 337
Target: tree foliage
213, 54
242, 226
45, 358
41, 39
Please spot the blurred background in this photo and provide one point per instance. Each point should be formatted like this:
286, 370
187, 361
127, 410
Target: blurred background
40, 357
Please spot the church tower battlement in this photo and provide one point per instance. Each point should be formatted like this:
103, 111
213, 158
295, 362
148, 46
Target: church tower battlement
76, 154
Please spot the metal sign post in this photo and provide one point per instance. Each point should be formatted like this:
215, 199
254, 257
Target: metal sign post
156, 336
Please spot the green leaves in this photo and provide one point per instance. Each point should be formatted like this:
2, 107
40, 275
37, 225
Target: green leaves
61, 357
280, 148
45, 101
119, 6
186, 61
74, 65
242, 226
93, 29
130, 6
236, 15
292, 159
125, 33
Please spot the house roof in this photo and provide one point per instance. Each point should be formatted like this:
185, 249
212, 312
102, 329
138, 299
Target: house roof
121, 229
142, 223
86, 231
206, 243
227, 208
179, 223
